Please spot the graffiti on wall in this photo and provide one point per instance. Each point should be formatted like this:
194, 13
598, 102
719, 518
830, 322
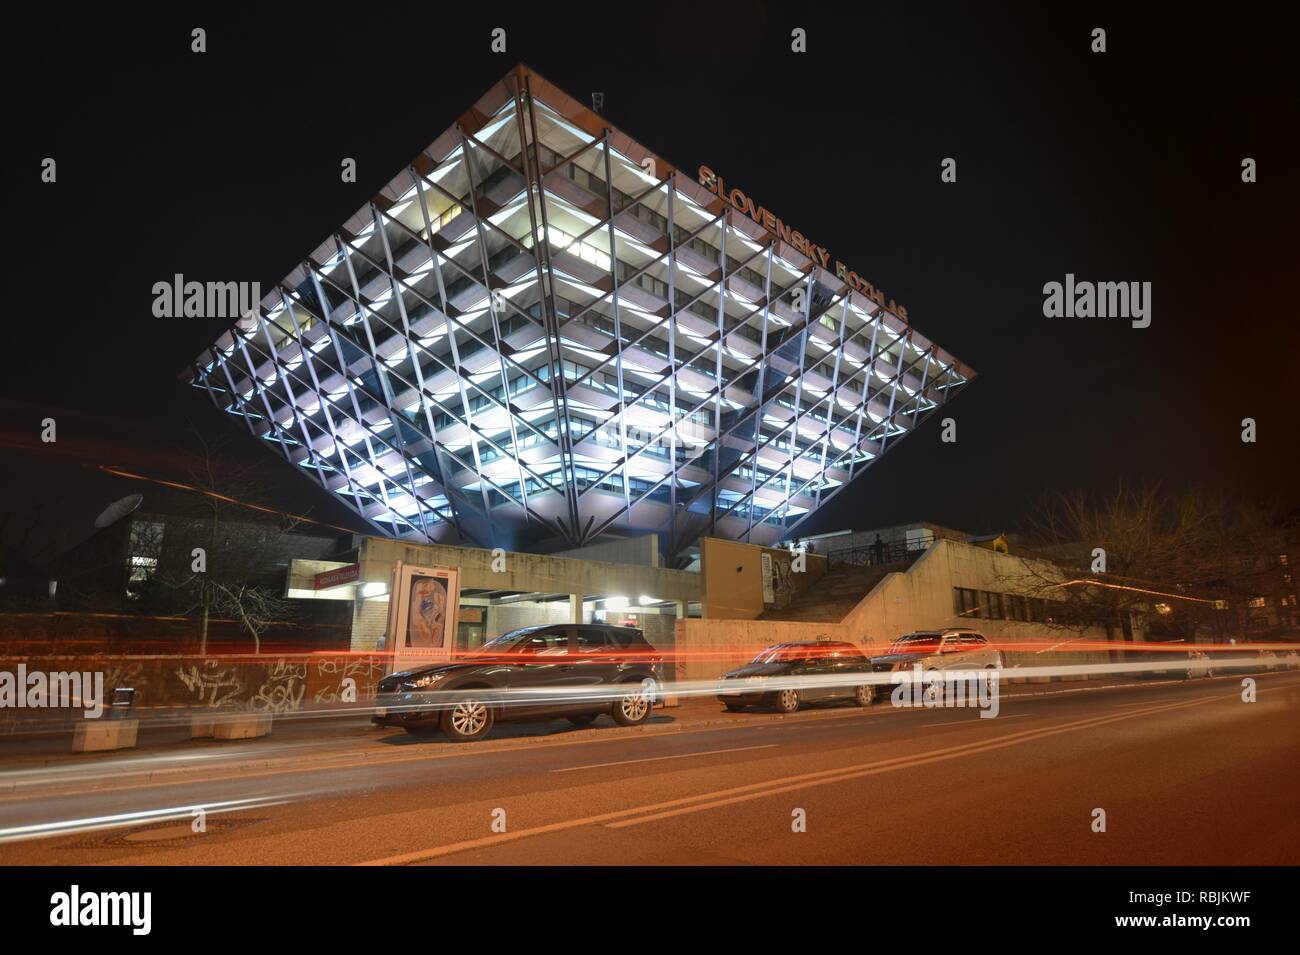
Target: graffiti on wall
210, 683
282, 690
365, 672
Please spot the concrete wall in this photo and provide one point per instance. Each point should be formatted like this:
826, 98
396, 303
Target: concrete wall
920, 598
642, 551
529, 573
707, 648
732, 574
502, 618
270, 683
369, 622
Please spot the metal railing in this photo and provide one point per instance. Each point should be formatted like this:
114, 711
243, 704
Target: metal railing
882, 554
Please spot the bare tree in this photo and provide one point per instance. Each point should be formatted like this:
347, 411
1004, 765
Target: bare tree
231, 547
1189, 558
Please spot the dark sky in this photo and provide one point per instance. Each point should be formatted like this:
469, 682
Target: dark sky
1123, 166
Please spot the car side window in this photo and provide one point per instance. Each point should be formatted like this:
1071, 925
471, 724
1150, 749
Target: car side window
554, 643
591, 641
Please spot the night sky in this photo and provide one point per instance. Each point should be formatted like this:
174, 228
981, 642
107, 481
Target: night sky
1123, 166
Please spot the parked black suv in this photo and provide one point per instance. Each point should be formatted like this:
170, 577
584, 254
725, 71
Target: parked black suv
576, 671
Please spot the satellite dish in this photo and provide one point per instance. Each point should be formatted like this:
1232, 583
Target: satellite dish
118, 510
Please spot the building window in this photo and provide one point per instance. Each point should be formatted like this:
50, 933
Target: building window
144, 546
1017, 607
993, 606
966, 602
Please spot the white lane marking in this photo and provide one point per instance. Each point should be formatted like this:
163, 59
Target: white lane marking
64, 827
760, 789
1148, 701
651, 759
885, 766
976, 719
1133, 703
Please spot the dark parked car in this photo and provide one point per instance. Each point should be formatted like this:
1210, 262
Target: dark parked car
578, 671
790, 674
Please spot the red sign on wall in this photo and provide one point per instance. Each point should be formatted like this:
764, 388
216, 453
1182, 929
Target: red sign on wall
338, 576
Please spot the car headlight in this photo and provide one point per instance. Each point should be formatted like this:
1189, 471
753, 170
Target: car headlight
426, 681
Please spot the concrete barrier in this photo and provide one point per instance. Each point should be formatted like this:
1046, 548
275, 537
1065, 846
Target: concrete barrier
241, 726
201, 727
93, 736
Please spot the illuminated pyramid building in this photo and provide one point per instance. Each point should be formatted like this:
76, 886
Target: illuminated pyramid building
541, 334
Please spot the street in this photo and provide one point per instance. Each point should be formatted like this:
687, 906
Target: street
1185, 772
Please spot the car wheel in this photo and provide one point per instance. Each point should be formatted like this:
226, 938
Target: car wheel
787, 701
865, 695
633, 707
582, 719
933, 693
991, 679
467, 720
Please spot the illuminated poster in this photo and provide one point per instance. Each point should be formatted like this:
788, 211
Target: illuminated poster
423, 617
426, 612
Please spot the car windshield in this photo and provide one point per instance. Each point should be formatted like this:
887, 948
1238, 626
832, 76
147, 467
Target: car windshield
506, 641
788, 654
914, 641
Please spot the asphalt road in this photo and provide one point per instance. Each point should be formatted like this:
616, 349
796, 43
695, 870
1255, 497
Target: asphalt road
1186, 773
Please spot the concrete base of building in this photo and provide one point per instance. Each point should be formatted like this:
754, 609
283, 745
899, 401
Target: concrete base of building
93, 736
242, 726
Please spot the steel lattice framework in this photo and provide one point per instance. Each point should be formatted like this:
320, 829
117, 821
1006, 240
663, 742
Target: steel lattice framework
541, 330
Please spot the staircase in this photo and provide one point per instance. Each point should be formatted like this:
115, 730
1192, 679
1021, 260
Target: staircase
830, 599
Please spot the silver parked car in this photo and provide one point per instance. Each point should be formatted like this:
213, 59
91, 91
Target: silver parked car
954, 649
